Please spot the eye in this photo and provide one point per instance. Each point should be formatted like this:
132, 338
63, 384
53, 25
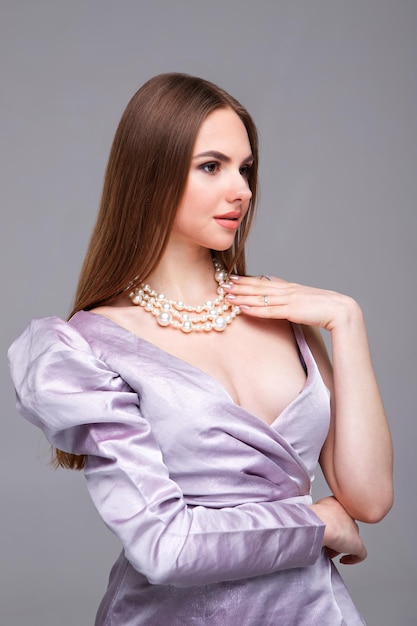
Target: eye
213, 167
245, 170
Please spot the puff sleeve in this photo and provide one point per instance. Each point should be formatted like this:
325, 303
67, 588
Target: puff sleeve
85, 408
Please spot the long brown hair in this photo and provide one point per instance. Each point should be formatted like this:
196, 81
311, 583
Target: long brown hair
144, 182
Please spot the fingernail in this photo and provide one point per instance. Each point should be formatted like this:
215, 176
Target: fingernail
230, 296
227, 285
234, 277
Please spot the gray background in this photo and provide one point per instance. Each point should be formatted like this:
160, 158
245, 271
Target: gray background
332, 87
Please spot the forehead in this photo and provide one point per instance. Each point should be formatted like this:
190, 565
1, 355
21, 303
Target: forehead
222, 130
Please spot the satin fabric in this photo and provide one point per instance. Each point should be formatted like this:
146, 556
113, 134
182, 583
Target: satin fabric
209, 502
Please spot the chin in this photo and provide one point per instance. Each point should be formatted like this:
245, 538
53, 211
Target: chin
219, 248
222, 246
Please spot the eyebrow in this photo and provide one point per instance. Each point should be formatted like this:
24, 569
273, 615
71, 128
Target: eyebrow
219, 156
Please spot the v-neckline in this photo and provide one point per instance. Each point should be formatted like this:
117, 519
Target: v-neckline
303, 348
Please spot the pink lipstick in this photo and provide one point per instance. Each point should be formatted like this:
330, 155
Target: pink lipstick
229, 220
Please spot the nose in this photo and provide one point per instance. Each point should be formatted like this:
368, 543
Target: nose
238, 189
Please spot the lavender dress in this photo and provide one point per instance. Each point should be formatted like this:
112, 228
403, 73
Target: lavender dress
209, 502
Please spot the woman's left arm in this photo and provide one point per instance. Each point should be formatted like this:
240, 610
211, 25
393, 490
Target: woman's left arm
357, 456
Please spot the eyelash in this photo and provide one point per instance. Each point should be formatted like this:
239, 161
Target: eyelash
244, 170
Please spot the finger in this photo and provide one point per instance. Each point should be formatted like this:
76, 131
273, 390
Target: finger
264, 312
255, 280
332, 553
257, 289
352, 559
254, 300
264, 305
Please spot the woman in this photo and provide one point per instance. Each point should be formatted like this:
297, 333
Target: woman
196, 398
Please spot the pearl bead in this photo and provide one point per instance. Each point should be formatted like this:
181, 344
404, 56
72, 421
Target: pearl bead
186, 326
219, 323
164, 319
220, 276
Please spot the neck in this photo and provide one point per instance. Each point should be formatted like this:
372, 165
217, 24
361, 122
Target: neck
185, 276
180, 310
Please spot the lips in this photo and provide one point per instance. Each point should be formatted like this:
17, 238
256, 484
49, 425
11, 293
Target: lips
229, 220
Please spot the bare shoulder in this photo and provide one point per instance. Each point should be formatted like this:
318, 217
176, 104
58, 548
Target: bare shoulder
121, 312
106, 311
133, 319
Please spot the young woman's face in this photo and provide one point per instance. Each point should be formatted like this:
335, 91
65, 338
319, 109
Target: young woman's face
217, 193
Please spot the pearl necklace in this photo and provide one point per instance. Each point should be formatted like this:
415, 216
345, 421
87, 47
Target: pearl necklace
212, 315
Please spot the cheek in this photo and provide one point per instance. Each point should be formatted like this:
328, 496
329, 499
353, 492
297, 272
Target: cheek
198, 199
192, 191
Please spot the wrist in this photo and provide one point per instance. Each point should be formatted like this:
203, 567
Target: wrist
347, 314
323, 515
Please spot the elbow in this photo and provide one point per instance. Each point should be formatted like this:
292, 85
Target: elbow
164, 574
376, 513
374, 509
168, 571
367, 502
159, 571
162, 566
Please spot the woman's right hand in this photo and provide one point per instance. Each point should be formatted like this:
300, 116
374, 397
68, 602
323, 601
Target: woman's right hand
341, 535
